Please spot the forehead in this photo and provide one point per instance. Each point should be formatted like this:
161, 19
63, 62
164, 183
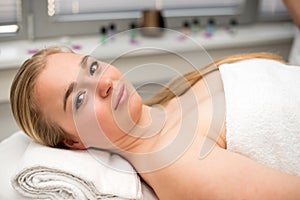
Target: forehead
63, 60
61, 66
60, 71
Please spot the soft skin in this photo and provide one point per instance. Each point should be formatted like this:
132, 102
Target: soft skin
293, 7
220, 175
65, 68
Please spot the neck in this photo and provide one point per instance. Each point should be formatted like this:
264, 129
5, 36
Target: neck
151, 123
146, 132
154, 139
147, 136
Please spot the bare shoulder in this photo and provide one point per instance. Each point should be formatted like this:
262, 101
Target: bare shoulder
211, 97
224, 175
210, 84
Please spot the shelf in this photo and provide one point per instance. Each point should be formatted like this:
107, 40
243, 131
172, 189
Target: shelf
14, 53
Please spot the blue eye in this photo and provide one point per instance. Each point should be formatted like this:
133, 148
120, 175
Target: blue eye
93, 68
79, 100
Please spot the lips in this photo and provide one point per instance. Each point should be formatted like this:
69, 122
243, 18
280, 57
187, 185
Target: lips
120, 97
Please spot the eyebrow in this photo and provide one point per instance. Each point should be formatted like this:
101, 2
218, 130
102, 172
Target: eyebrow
73, 84
67, 94
84, 61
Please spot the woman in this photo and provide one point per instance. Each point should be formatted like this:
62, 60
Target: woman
66, 100
293, 7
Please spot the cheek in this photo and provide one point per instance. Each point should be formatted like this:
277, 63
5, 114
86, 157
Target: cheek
104, 119
92, 125
107, 122
114, 124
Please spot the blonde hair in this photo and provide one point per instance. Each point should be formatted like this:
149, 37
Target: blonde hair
24, 106
45, 131
180, 85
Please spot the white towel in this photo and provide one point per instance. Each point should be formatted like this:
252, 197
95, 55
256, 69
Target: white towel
49, 173
263, 112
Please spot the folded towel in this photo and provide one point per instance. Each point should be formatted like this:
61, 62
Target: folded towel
263, 112
49, 173
12, 150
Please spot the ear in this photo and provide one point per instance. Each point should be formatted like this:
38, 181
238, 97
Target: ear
72, 144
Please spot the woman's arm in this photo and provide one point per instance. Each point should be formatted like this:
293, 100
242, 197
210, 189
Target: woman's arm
293, 7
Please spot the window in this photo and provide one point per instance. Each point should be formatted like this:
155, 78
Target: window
10, 16
78, 17
272, 10
77, 10
34, 19
14, 18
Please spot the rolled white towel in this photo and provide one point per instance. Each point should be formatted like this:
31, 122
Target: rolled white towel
50, 173
263, 112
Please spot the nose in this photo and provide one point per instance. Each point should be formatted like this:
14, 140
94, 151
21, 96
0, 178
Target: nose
104, 87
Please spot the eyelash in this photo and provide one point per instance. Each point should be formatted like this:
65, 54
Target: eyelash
94, 66
79, 100
80, 97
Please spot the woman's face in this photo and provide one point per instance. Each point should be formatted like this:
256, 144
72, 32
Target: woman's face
89, 99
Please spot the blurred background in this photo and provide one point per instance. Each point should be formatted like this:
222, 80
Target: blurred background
217, 27
35, 19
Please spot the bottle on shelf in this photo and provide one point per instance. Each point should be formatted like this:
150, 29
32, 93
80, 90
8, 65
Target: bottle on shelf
210, 29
